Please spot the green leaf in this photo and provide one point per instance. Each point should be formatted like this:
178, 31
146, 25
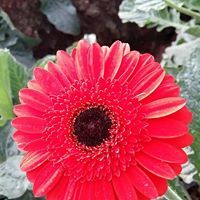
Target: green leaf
18, 77
150, 13
62, 14
188, 169
22, 55
195, 30
176, 186
147, 5
185, 60
195, 158
17, 74
176, 191
19, 44
8, 147
29, 196
177, 55
192, 4
189, 77
13, 77
5, 89
13, 182
4, 132
43, 61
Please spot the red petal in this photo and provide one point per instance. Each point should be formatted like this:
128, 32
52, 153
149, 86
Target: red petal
163, 107
33, 160
184, 115
145, 65
180, 142
141, 72
73, 53
165, 152
46, 179
77, 191
142, 182
34, 173
33, 84
95, 61
148, 84
166, 128
25, 138
35, 145
124, 188
48, 82
87, 191
168, 79
25, 110
166, 89
29, 124
126, 48
105, 50
113, 60
34, 99
144, 60
127, 67
141, 196
82, 70
103, 190
59, 75
69, 191
160, 183
58, 192
67, 65
176, 167
155, 166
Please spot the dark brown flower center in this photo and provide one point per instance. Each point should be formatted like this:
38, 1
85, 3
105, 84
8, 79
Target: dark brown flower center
91, 127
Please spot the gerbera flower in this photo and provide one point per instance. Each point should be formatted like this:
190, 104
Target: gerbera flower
101, 123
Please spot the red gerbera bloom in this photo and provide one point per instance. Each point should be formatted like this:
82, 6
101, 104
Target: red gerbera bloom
102, 123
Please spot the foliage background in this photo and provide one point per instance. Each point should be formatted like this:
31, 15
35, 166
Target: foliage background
31, 31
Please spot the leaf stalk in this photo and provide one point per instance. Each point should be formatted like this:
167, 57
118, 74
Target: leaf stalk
183, 10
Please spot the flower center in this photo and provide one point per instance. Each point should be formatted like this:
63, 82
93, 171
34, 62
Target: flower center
91, 126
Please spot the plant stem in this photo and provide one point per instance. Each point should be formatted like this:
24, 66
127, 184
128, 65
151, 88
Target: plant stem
171, 195
183, 10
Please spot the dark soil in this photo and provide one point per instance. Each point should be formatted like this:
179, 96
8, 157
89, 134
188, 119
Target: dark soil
99, 17
194, 192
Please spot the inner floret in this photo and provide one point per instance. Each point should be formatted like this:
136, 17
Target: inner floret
91, 126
